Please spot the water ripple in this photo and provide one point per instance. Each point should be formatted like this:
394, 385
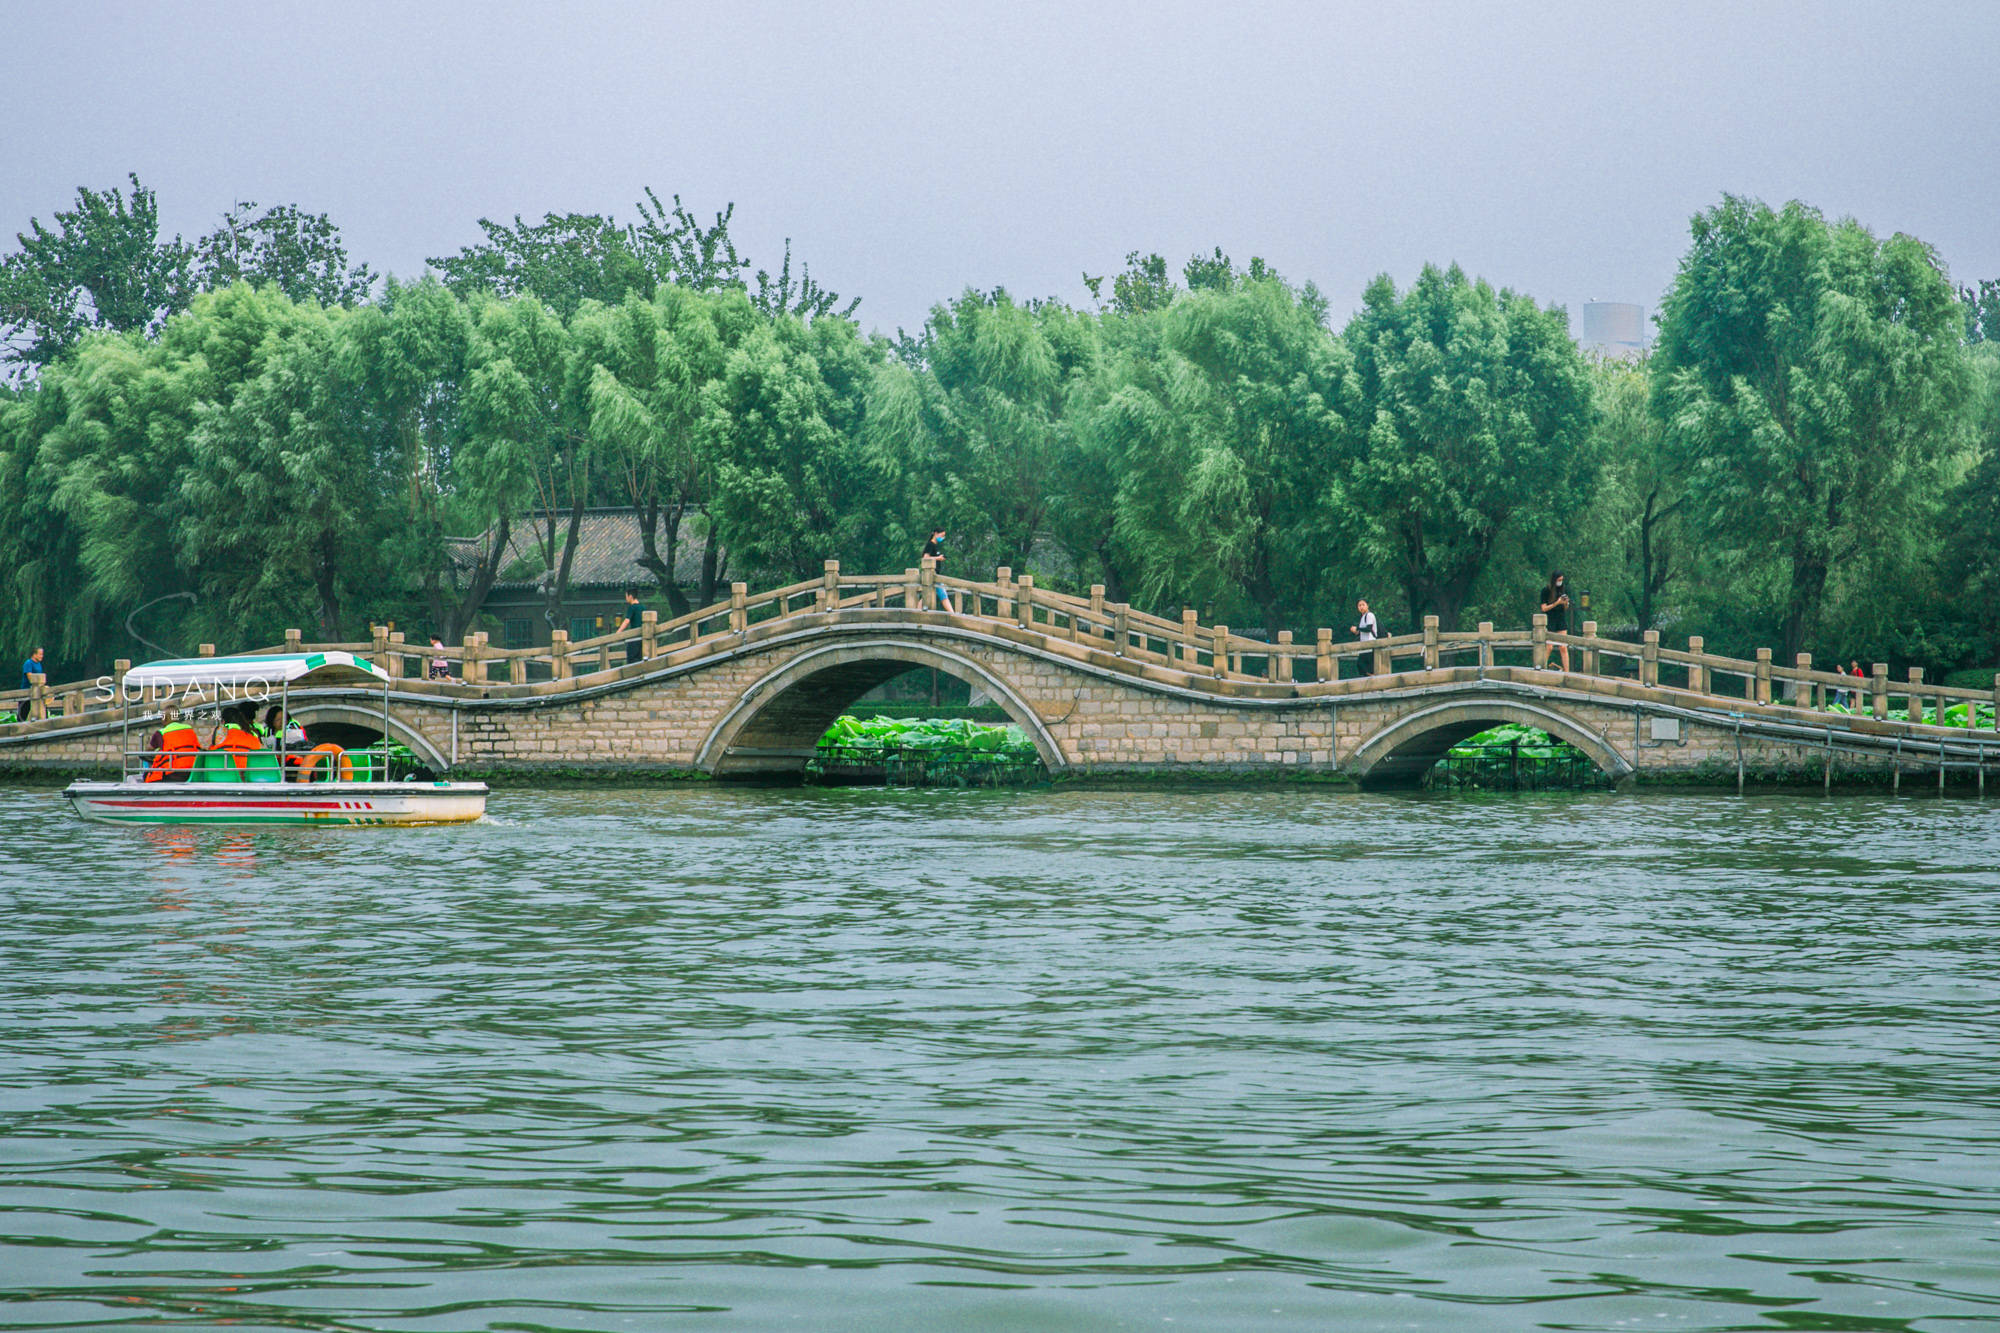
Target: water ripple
855, 1059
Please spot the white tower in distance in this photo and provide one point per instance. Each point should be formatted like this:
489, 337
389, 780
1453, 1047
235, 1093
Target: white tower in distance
1614, 329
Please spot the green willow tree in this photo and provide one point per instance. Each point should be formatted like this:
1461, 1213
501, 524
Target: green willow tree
1475, 419
1227, 436
1810, 378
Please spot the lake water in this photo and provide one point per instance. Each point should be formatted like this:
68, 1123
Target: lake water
856, 1059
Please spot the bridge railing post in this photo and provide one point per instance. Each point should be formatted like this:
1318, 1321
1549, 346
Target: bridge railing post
1323, 664
649, 635
829, 589
1383, 664
1190, 640
927, 583
378, 645
1430, 642
1219, 649
559, 654
38, 699
1538, 637
1485, 644
1649, 658
1024, 601
1281, 661
1802, 691
1587, 656
1003, 601
1697, 673
396, 662
1878, 690
124, 664
913, 591
1763, 675
1097, 609
295, 642
1914, 710
739, 609
1121, 627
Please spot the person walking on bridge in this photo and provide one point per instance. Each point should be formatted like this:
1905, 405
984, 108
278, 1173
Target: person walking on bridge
1555, 605
635, 612
1367, 629
934, 550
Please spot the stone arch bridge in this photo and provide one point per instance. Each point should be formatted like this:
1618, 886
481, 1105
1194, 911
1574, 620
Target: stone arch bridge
745, 688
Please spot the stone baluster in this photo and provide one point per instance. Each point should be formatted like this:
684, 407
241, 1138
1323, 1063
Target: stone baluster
1804, 692
739, 609
1097, 609
829, 589
1121, 627
927, 583
378, 650
1586, 656
1003, 602
1697, 673
1219, 649
649, 634
38, 699
206, 650
1538, 638
473, 671
1485, 644
1190, 639
1649, 658
1763, 675
559, 667
1323, 664
1024, 601
1878, 690
1915, 711
295, 642
1430, 642
124, 664
1282, 659
396, 664
1384, 663
913, 592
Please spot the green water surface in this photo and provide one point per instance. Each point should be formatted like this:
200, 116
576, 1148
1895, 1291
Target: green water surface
855, 1059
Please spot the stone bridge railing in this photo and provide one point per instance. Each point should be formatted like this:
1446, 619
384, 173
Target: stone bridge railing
1213, 652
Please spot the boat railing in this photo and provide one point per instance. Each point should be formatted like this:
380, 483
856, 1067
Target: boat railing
259, 766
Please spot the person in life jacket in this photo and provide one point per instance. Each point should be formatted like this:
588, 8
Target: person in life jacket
235, 735
174, 747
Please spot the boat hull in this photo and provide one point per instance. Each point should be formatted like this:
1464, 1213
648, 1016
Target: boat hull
320, 803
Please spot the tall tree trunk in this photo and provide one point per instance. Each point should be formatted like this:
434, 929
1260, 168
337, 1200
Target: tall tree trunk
454, 615
1802, 607
711, 571
650, 559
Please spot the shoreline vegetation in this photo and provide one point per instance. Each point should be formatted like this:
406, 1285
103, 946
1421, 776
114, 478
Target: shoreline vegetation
218, 440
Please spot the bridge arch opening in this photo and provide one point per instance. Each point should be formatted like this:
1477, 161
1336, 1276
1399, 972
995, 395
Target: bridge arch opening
1400, 754
774, 727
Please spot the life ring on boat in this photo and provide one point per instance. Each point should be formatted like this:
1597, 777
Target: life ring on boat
338, 768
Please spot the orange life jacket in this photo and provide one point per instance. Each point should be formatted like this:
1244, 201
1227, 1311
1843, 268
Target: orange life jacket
235, 739
178, 745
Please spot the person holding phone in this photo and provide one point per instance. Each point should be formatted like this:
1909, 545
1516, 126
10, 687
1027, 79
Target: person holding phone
1555, 605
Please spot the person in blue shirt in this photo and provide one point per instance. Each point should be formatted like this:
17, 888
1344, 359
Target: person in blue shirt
32, 671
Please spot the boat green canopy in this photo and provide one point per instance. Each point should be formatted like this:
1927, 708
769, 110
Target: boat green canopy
329, 668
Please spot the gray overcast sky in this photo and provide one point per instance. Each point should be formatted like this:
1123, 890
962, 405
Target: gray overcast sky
912, 150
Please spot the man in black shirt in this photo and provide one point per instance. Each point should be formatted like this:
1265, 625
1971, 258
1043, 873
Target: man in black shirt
635, 613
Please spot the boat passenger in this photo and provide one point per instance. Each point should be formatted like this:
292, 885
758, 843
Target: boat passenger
173, 748
236, 737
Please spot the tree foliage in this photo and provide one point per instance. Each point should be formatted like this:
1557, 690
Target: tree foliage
1809, 376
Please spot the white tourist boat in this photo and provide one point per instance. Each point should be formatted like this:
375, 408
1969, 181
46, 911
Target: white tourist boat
319, 787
